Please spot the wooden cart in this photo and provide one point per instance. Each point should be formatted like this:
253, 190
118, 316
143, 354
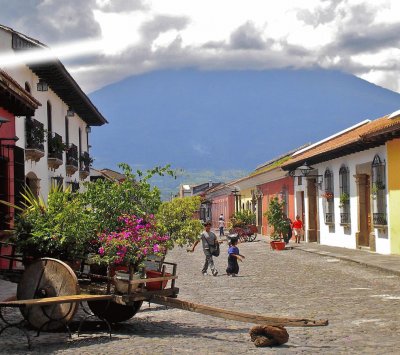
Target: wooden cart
49, 293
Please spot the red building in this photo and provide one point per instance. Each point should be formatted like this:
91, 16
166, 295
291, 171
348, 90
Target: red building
14, 101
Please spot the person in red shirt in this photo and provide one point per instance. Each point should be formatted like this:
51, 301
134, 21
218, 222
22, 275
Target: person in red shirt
298, 229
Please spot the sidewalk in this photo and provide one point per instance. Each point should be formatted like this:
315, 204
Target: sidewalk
387, 263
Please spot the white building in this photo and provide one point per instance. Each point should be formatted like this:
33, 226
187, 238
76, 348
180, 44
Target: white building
345, 191
63, 119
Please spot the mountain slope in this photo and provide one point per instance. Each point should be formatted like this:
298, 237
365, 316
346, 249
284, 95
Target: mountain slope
221, 120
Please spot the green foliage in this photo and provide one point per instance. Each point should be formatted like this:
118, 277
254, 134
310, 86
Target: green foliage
344, 198
62, 228
175, 218
67, 225
276, 218
243, 218
133, 196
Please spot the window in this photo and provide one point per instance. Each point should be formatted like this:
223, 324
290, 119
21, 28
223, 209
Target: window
344, 189
49, 119
328, 196
378, 191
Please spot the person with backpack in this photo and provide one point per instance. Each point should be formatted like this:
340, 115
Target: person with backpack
210, 245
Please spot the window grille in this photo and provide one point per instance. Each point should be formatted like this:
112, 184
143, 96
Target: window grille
329, 200
378, 191
344, 189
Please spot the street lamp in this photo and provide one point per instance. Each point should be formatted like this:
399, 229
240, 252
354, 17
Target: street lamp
235, 193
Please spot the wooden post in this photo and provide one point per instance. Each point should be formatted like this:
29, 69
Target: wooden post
237, 316
174, 267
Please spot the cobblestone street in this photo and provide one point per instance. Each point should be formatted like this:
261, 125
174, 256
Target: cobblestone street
360, 303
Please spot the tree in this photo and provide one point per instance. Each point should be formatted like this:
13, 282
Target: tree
176, 218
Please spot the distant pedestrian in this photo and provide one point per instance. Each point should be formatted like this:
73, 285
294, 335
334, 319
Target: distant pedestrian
287, 234
298, 229
221, 225
233, 257
208, 240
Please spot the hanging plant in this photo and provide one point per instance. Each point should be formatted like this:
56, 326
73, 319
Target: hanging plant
344, 199
327, 195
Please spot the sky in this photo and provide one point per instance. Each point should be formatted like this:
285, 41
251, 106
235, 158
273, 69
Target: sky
104, 41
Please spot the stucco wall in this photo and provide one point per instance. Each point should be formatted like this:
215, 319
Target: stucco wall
393, 159
338, 235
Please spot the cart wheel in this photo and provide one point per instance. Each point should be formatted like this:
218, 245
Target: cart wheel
43, 278
252, 237
243, 238
114, 312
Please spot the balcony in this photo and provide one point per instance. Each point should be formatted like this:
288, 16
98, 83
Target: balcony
85, 163
329, 218
345, 219
379, 219
34, 140
71, 166
55, 150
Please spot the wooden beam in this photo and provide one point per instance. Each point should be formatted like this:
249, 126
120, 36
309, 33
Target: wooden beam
237, 316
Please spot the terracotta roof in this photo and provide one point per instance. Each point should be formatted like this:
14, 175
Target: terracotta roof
14, 98
348, 142
112, 175
390, 125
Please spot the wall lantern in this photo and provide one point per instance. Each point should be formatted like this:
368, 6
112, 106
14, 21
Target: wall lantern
42, 85
88, 129
70, 112
305, 170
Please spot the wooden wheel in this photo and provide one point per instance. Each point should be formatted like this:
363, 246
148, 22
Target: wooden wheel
43, 278
114, 312
252, 237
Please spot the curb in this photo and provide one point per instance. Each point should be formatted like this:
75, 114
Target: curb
344, 258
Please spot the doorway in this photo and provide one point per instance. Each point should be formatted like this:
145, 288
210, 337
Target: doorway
312, 228
364, 208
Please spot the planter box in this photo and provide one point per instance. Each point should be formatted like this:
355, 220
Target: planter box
157, 285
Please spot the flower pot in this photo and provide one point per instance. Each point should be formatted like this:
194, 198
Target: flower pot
158, 285
272, 244
279, 245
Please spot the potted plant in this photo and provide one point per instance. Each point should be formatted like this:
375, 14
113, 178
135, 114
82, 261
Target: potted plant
328, 195
278, 220
61, 228
130, 245
344, 199
243, 218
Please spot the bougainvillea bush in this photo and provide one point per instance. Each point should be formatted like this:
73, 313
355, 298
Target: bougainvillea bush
132, 243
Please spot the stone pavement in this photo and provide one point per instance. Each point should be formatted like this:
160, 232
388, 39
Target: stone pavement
387, 263
310, 281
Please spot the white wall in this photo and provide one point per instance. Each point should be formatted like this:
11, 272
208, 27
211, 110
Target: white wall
339, 235
23, 74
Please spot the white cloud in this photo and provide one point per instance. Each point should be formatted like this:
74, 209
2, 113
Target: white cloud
358, 36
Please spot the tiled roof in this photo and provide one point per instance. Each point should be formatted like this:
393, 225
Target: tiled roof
388, 126
349, 142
